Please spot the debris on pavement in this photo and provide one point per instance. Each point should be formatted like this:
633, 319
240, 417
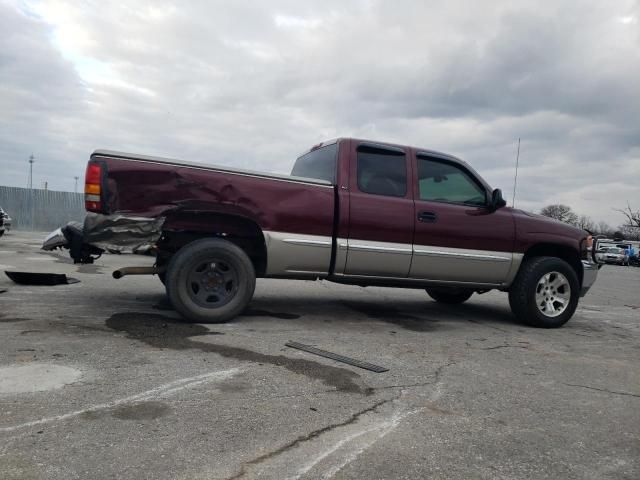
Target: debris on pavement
336, 357
40, 279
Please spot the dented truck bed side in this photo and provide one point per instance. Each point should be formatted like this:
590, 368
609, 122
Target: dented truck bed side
291, 213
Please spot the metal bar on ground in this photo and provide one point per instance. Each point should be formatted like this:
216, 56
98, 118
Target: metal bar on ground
336, 357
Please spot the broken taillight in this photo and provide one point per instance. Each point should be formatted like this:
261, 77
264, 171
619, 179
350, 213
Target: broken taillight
93, 187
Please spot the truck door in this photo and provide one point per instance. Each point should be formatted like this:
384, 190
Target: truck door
380, 211
457, 237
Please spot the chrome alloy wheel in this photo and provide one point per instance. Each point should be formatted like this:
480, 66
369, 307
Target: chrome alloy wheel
553, 294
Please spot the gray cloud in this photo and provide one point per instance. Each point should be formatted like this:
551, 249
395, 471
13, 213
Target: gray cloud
254, 83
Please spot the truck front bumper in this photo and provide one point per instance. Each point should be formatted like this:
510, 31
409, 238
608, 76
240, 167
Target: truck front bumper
589, 274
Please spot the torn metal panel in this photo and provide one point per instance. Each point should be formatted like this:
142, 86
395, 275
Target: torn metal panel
40, 279
121, 233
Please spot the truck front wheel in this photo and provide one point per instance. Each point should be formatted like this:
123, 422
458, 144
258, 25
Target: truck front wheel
450, 295
545, 292
210, 281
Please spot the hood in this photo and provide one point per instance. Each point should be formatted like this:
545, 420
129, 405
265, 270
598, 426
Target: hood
535, 223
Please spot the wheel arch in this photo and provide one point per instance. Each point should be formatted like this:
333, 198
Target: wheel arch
564, 252
183, 228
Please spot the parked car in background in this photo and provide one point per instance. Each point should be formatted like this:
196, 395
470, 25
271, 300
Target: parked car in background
614, 255
5, 220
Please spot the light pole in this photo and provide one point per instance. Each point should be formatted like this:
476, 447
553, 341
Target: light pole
31, 160
75, 189
33, 203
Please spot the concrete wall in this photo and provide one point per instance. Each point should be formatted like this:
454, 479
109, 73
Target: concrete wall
41, 210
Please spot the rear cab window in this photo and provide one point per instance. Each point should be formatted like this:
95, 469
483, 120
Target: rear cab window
319, 164
382, 171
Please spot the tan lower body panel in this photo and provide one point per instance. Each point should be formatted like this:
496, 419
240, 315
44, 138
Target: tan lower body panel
309, 256
377, 258
464, 265
297, 255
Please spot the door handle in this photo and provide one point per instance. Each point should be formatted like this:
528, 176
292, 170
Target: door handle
427, 217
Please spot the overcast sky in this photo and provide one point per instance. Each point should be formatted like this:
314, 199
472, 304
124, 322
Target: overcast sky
252, 84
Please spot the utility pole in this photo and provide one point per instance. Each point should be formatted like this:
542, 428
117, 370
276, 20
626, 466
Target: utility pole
75, 189
31, 160
33, 202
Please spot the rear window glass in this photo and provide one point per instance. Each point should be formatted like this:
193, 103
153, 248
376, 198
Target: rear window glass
320, 164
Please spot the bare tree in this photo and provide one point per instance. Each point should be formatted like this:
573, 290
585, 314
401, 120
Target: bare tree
633, 216
603, 228
629, 232
586, 223
560, 212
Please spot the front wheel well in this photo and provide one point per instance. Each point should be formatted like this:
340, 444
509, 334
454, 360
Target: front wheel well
563, 252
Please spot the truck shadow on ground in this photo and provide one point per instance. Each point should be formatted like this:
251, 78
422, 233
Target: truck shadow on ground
161, 331
417, 316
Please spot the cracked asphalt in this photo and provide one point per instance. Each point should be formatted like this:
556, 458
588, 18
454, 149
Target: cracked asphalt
101, 379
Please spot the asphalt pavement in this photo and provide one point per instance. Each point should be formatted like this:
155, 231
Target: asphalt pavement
101, 379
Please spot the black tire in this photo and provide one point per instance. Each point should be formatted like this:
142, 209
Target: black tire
1, 232
210, 281
450, 295
162, 276
522, 294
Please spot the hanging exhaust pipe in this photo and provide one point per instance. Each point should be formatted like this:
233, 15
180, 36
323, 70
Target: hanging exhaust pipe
123, 272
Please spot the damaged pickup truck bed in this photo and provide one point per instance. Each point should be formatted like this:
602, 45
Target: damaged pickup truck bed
352, 211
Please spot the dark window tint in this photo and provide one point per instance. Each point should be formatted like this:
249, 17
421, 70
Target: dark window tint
382, 172
445, 182
320, 163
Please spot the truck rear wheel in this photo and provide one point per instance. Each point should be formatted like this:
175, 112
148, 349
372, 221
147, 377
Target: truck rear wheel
450, 295
210, 281
545, 292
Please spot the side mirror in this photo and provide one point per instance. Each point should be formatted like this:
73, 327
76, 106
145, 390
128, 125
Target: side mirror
496, 200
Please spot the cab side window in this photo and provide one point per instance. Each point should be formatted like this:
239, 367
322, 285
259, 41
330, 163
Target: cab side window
442, 181
382, 171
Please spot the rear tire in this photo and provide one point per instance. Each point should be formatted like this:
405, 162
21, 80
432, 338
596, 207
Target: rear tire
450, 295
545, 292
210, 281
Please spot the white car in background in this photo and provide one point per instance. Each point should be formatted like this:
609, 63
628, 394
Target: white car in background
615, 255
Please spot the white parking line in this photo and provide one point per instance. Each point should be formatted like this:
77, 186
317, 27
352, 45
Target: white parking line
158, 392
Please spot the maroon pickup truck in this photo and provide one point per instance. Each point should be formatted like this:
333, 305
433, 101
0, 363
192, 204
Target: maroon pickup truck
352, 211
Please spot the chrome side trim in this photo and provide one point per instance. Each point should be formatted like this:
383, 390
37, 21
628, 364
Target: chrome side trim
297, 255
376, 247
313, 243
472, 256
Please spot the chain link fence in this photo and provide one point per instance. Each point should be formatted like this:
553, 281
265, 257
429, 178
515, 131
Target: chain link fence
41, 210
